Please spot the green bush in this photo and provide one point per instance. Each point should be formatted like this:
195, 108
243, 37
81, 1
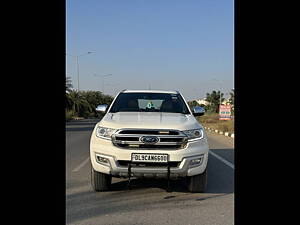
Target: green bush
84, 103
70, 114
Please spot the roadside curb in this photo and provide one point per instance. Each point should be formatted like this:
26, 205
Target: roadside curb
220, 132
74, 119
77, 118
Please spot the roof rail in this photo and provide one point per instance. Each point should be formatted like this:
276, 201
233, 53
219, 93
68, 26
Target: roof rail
123, 90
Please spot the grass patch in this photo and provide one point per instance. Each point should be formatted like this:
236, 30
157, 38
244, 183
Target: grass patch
212, 121
69, 115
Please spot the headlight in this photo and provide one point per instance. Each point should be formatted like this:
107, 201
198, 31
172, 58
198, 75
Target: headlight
195, 134
103, 132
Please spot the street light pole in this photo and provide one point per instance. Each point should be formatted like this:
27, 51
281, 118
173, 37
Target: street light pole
77, 73
115, 87
77, 62
103, 76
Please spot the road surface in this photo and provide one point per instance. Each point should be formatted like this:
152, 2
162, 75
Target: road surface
147, 202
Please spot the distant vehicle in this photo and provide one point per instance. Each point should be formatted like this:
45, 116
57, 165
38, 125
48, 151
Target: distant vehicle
148, 133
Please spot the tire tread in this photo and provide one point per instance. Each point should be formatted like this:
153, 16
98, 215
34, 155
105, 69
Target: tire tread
100, 181
198, 182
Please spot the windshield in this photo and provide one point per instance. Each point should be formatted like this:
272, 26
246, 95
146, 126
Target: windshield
149, 102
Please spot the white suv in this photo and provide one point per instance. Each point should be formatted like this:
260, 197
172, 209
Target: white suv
148, 133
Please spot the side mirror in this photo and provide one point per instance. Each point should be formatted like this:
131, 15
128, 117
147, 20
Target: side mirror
198, 111
102, 108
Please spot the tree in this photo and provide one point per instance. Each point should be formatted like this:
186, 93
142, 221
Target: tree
231, 99
84, 103
193, 104
96, 98
214, 100
78, 103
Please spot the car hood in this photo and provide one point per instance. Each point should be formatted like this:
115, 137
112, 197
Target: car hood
149, 120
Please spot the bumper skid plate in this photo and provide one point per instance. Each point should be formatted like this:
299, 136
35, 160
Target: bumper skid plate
129, 176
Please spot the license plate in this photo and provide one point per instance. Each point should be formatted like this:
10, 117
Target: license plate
144, 157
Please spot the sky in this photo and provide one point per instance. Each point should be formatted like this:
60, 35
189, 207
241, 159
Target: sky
184, 45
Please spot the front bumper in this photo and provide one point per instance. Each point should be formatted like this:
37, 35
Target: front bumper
105, 149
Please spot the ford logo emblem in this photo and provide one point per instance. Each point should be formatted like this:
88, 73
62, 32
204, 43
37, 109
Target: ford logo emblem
149, 139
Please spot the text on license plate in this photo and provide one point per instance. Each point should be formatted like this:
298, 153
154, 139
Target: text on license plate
139, 157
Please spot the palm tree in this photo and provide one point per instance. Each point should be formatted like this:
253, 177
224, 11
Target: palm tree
78, 103
84, 103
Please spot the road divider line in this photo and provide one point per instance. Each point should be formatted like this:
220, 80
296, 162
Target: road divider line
223, 160
81, 165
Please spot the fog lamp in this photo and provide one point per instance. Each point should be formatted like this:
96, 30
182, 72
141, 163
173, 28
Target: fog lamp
196, 161
102, 160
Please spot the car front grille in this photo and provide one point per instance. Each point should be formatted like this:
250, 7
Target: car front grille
167, 139
150, 132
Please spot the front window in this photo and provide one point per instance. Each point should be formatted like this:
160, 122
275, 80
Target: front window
149, 102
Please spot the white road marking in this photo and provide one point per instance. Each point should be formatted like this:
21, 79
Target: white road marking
223, 160
81, 165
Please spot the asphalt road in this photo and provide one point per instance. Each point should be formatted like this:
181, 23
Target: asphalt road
147, 202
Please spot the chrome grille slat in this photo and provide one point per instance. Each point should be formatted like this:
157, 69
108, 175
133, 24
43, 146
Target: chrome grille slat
124, 138
140, 143
153, 147
148, 132
160, 136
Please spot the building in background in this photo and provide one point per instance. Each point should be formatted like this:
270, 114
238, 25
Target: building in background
226, 102
202, 102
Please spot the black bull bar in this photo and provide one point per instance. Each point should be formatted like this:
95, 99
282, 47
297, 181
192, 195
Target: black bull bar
168, 176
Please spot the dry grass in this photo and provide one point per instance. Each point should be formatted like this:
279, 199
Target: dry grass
212, 121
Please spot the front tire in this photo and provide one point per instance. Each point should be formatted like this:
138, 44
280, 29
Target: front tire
198, 182
100, 181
